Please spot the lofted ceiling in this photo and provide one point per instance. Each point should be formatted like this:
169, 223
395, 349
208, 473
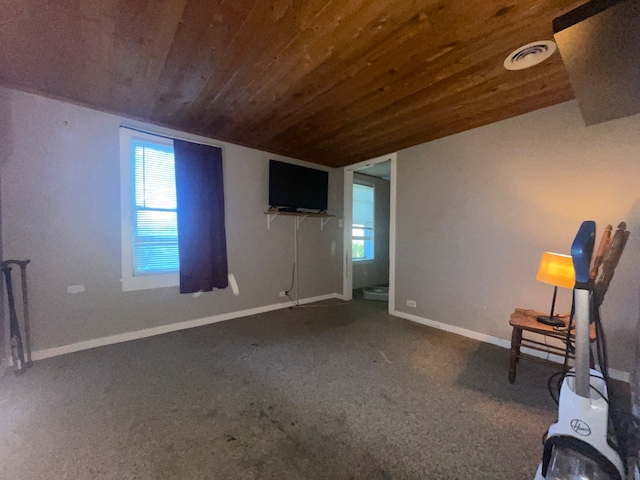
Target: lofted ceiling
329, 81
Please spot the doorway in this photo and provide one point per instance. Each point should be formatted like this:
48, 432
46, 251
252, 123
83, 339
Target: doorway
369, 228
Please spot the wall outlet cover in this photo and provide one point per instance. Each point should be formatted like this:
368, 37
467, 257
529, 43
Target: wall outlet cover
75, 288
411, 303
283, 294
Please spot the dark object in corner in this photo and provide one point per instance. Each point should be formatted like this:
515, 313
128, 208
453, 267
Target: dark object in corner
599, 43
285, 209
553, 321
297, 187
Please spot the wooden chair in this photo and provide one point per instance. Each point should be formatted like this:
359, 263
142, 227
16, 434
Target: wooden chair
525, 321
522, 320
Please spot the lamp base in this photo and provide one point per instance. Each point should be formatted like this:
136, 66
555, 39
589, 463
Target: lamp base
553, 321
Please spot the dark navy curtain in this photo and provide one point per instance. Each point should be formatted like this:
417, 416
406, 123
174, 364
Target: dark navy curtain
202, 241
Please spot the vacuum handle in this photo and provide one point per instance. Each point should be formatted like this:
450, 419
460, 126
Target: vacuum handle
581, 251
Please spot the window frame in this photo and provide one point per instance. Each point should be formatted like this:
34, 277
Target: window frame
130, 282
366, 238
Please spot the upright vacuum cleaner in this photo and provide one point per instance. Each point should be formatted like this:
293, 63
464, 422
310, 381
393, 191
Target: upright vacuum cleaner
579, 445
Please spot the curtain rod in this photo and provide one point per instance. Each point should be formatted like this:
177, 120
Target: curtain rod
146, 132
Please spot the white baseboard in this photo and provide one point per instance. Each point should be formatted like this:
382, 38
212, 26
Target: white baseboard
150, 332
501, 342
619, 375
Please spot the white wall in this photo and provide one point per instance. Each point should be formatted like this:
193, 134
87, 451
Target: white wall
61, 208
367, 273
476, 211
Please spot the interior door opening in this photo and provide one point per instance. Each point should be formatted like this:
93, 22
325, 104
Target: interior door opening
370, 231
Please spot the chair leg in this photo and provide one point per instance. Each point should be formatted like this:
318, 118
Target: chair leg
514, 356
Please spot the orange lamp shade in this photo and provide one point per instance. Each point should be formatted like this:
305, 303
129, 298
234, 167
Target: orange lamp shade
556, 269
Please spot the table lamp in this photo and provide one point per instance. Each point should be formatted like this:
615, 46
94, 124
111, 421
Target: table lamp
557, 270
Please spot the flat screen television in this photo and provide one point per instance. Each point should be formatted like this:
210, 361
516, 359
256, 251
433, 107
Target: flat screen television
292, 187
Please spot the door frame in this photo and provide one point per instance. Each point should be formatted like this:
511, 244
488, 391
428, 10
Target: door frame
347, 272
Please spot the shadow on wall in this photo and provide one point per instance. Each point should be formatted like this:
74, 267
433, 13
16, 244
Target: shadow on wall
6, 143
6, 150
633, 247
621, 306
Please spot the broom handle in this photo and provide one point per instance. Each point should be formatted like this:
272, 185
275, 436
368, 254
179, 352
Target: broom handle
25, 304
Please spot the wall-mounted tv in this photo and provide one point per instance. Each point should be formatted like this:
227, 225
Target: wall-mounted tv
292, 187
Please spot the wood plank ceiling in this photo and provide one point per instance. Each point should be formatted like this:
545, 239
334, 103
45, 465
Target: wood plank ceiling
328, 81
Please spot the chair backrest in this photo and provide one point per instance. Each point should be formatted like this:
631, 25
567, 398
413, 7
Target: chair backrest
607, 258
603, 250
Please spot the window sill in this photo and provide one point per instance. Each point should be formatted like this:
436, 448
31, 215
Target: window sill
148, 282
364, 261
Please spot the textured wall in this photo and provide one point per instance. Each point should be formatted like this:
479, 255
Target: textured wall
376, 272
61, 208
476, 211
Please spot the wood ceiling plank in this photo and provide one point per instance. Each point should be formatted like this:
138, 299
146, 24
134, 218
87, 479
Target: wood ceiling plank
97, 27
331, 82
315, 46
492, 89
143, 34
402, 86
293, 83
199, 45
369, 73
447, 92
15, 43
480, 110
89, 51
42, 61
266, 32
160, 31
396, 121
345, 156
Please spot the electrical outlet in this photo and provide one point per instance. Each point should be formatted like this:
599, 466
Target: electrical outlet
411, 303
76, 288
283, 294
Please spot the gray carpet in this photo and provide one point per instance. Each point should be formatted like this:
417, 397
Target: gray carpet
340, 392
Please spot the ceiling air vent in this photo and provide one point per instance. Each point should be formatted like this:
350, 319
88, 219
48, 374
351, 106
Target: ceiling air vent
529, 55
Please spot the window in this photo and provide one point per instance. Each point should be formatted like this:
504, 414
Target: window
155, 216
363, 223
149, 211
154, 169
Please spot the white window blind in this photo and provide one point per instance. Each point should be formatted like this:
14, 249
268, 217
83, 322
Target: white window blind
155, 216
363, 205
363, 222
